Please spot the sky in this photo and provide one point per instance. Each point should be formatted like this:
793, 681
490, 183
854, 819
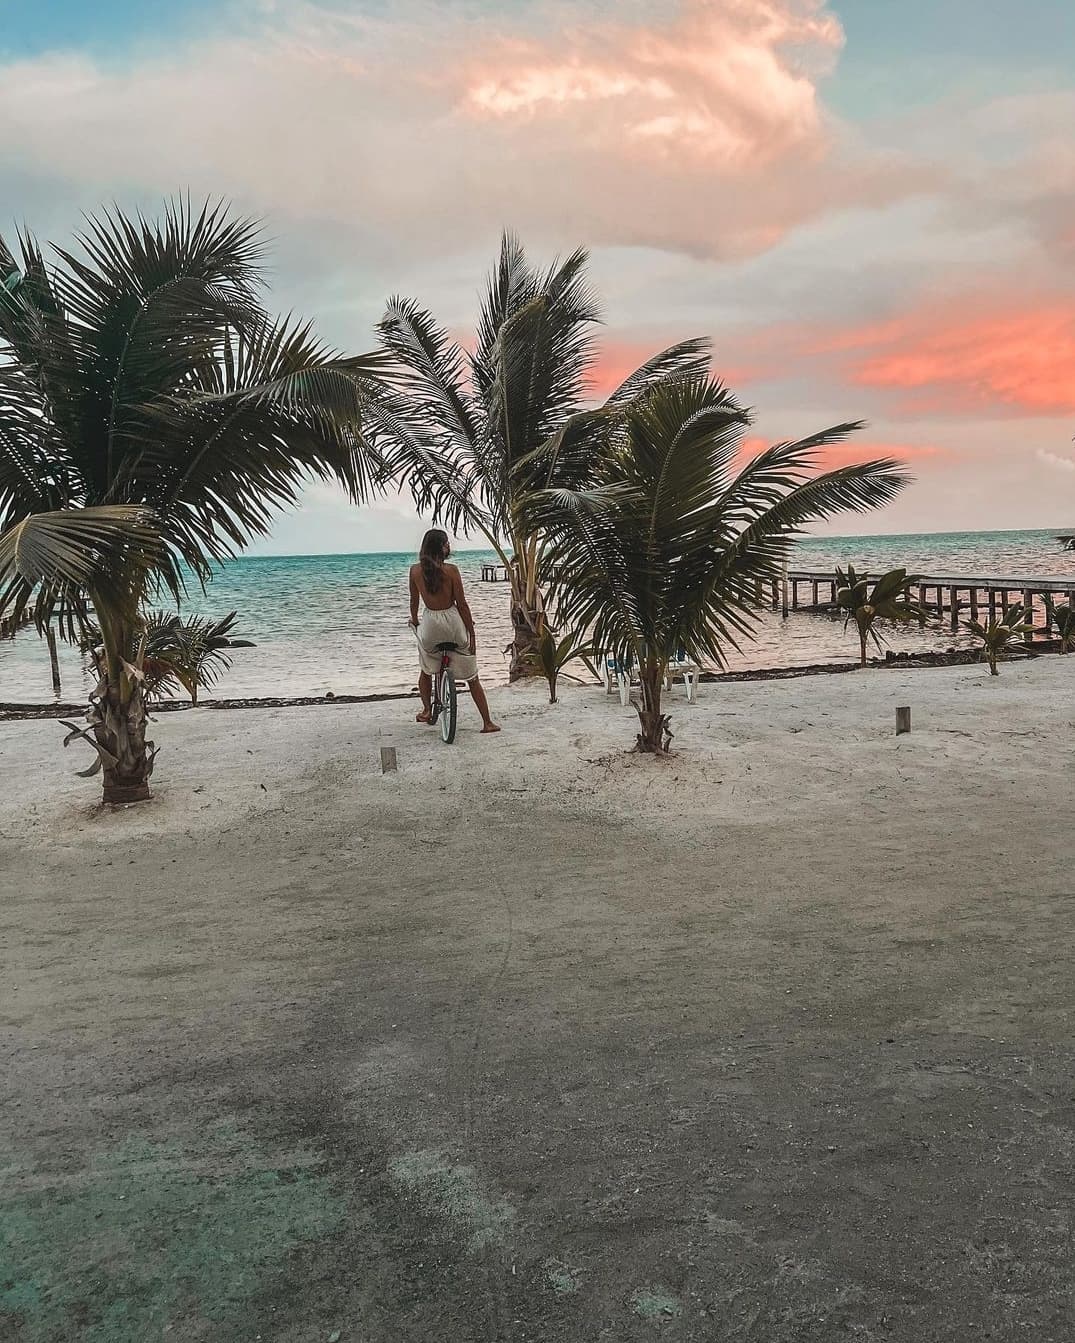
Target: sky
867, 205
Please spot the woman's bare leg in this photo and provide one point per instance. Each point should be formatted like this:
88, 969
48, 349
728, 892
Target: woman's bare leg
425, 689
477, 694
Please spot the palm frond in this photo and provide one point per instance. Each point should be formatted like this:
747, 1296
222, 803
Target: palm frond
54, 559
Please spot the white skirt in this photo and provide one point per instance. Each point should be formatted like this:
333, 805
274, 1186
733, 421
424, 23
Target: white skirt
445, 627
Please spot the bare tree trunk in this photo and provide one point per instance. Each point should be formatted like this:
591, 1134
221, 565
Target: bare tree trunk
54, 661
656, 735
120, 731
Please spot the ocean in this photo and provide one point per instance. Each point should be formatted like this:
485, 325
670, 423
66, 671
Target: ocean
339, 622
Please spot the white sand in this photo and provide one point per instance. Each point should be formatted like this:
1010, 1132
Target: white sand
802, 752
777, 1032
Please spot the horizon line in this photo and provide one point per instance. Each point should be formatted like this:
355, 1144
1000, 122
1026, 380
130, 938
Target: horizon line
486, 550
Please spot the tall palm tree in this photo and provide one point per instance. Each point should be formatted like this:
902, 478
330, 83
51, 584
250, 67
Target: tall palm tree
477, 432
663, 554
141, 373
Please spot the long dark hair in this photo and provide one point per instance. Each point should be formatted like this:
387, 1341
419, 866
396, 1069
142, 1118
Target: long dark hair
431, 557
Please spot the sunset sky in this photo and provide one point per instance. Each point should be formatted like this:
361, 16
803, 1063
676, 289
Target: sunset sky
868, 205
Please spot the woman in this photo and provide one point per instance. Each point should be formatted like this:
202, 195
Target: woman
446, 619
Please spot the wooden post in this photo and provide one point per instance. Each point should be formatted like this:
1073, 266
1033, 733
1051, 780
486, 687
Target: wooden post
794, 594
992, 603
1028, 603
776, 595
922, 595
816, 593
903, 720
974, 603
50, 639
832, 598
388, 760
784, 593
953, 595
1004, 601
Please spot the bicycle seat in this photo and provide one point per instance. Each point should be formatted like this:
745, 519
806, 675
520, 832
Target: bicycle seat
447, 648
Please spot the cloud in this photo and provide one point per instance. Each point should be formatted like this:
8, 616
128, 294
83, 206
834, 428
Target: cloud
697, 128
1021, 360
856, 451
728, 85
1051, 459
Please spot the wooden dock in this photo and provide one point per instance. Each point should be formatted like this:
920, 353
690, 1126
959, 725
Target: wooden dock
495, 573
954, 595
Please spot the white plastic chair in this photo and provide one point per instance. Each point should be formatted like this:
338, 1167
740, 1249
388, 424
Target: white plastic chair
681, 665
617, 676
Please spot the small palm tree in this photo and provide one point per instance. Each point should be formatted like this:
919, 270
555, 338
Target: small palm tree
662, 554
191, 653
1063, 617
552, 655
143, 375
887, 600
998, 637
476, 433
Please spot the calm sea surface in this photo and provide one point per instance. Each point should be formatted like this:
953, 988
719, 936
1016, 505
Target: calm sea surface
338, 622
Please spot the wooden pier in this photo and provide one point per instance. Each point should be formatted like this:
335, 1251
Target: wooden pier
954, 596
495, 573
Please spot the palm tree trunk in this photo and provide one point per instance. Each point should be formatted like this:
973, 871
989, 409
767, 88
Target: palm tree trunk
527, 621
862, 647
993, 663
120, 730
656, 735
118, 711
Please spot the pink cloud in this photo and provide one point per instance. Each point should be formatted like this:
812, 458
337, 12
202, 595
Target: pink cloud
1022, 360
729, 84
701, 131
855, 451
618, 359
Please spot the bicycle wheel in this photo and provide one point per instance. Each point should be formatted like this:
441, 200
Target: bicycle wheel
448, 705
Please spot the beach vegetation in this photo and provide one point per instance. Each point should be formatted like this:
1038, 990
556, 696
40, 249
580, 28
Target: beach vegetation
1063, 617
177, 653
553, 654
660, 556
153, 418
999, 637
886, 600
478, 431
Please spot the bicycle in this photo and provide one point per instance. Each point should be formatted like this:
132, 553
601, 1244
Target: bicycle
444, 703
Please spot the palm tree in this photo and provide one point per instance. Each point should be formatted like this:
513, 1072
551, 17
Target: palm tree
998, 637
143, 374
190, 653
476, 433
552, 655
1063, 617
663, 554
886, 601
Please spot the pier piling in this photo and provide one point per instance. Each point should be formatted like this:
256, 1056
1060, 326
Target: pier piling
977, 590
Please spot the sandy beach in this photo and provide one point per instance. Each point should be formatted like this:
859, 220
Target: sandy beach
538, 1040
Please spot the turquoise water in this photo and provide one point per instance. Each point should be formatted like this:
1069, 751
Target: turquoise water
339, 622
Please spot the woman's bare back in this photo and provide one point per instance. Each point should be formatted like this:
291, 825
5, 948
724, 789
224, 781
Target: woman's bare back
445, 595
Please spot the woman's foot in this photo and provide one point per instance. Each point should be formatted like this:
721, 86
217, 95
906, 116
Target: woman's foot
424, 717
491, 727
